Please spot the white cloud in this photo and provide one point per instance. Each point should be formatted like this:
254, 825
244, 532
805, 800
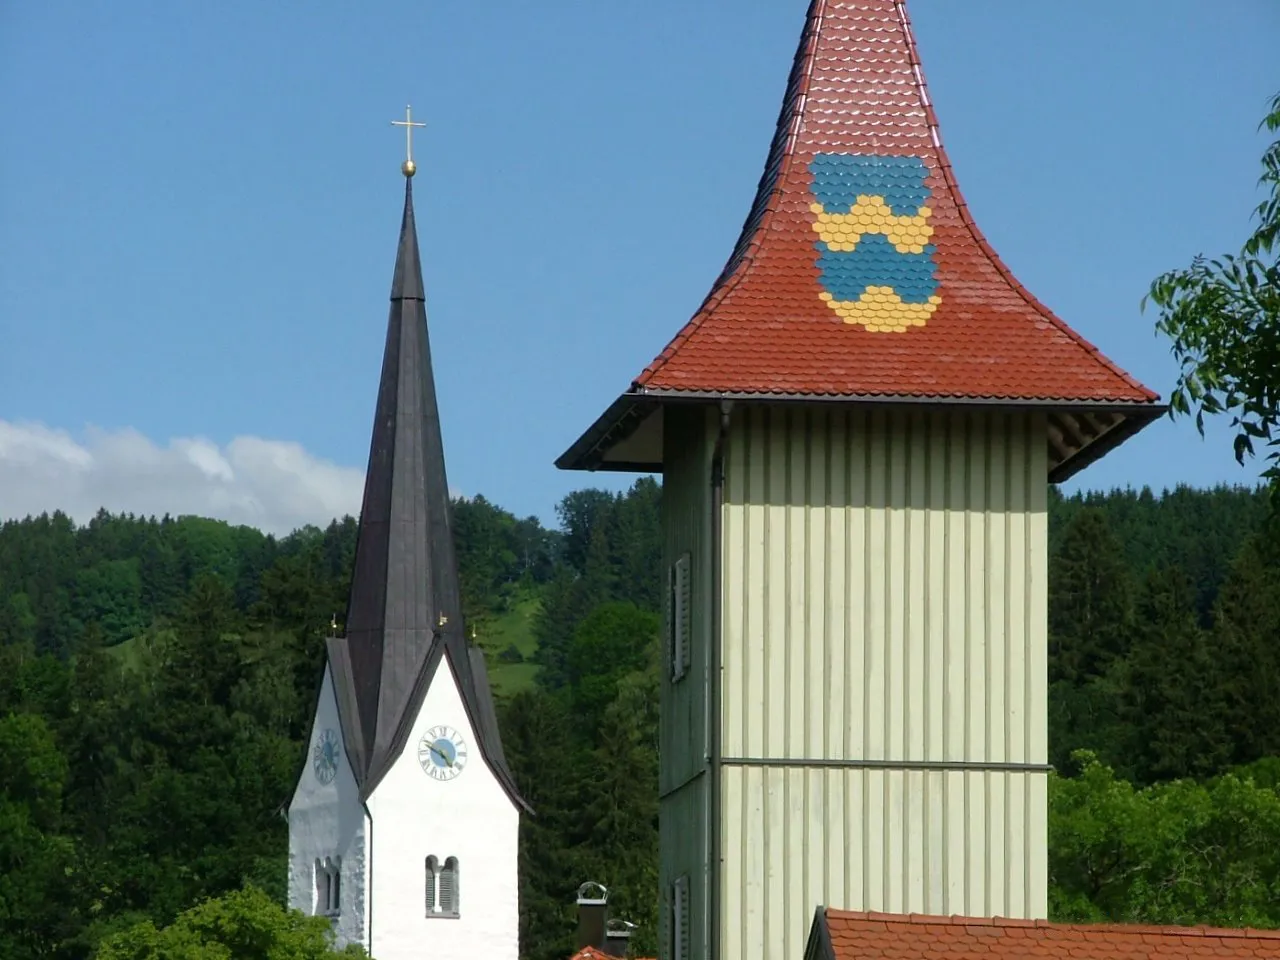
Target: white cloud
274, 485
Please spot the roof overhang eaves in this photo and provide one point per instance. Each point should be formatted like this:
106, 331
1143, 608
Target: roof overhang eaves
1132, 422
905, 399
617, 422
627, 412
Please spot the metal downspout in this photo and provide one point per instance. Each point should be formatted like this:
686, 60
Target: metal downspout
368, 873
715, 646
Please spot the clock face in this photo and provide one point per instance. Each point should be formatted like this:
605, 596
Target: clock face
324, 756
442, 753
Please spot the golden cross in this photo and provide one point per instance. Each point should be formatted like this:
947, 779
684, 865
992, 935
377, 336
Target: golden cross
408, 125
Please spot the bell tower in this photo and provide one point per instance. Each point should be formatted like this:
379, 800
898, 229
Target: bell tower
856, 431
404, 824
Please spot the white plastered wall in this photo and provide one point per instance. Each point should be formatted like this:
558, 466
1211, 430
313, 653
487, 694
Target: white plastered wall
328, 820
471, 818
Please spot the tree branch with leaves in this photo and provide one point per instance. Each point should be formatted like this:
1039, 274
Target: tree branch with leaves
1223, 318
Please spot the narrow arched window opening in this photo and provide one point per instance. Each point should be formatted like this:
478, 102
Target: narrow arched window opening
335, 887
449, 888
328, 887
433, 873
322, 889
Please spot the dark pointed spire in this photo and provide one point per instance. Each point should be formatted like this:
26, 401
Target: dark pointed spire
406, 284
405, 609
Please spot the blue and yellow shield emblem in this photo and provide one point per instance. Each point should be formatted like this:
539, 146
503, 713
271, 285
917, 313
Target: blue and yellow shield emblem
875, 260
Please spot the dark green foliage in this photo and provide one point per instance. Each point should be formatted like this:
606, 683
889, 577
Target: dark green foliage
1198, 530
36, 857
610, 643
547, 757
157, 678
1246, 639
611, 550
1161, 616
498, 553
1091, 615
1090, 625
1172, 700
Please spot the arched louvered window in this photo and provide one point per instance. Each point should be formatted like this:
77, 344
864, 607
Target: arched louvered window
679, 929
322, 889
433, 873
328, 887
335, 886
449, 888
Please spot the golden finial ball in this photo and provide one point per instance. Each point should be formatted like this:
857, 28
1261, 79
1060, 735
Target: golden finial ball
408, 168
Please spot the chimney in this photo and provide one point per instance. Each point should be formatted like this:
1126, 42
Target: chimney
593, 900
617, 937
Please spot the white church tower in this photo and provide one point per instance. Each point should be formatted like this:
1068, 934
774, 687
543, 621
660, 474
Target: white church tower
404, 823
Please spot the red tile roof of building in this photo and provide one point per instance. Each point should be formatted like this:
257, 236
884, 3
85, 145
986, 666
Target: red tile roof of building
591, 953
859, 271
838, 935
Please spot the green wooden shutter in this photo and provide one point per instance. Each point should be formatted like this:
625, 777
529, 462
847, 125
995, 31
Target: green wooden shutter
684, 612
680, 916
669, 626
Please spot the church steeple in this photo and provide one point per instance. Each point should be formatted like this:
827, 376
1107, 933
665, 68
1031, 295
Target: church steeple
404, 615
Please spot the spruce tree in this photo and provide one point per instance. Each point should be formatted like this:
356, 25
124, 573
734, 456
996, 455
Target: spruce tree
1090, 618
1172, 704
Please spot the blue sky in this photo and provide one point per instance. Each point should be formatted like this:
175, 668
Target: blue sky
199, 205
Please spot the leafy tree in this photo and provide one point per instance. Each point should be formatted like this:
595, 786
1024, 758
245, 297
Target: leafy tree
242, 925
109, 595
17, 620
581, 513
610, 643
36, 860
1223, 318
1175, 853
561, 609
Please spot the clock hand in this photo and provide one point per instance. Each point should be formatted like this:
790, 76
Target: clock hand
441, 754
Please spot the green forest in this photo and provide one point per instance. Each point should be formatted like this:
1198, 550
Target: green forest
157, 678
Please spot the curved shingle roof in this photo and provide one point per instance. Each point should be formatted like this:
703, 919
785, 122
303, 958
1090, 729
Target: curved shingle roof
860, 271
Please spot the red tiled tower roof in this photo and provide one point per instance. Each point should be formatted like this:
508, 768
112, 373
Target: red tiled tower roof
860, 273
857, 117
837, 935
594, 953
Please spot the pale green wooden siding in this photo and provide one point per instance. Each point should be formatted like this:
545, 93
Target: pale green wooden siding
686, 517
884, 599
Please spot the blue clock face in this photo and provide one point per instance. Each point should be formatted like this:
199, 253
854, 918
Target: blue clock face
324, 756
442, 753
